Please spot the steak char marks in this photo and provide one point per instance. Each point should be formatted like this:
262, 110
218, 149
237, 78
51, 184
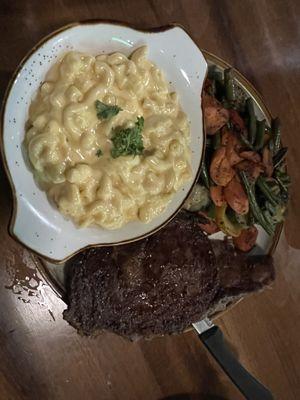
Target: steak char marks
160, 284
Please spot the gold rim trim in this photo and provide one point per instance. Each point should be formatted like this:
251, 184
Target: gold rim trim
6, 95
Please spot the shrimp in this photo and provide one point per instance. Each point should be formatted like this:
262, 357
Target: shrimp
220, 170
236, 197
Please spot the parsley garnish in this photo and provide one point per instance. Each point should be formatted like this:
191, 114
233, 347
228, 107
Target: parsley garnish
128, 141
99, 153
105, 111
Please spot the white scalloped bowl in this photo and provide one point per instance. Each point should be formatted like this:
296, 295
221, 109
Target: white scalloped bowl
35, 222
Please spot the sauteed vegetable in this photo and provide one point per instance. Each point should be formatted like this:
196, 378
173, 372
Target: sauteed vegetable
244, 175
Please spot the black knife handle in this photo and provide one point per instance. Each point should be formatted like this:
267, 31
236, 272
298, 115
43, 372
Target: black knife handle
246, 383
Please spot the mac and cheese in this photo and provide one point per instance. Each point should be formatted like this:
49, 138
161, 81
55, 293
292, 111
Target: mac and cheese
70, 147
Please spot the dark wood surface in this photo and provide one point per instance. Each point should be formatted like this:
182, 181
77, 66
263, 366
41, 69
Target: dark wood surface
41, 357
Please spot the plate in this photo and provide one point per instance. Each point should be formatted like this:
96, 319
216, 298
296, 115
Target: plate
54, 274
51, 235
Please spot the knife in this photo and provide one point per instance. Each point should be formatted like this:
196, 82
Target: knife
212, 337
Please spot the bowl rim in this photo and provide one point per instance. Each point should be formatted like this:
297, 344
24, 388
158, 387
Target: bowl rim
9, 87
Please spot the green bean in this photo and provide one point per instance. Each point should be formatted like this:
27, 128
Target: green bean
217, 86
241, 219
246, 142
281, 184
281, 169
204, 175
251, 220
213, 88
210, 211
219, 76
271, 146
270, 207
211, 72
276, 134
229, 86
256, 211
279, 157
275, 189
208, 142
260, 134
217, 140
215, 75
226, 104
284, 197
268, 217
286, 180
265, 189
283, 176
210, 75
252, 120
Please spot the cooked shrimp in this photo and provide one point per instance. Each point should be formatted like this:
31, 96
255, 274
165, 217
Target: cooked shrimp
247, 239
217, 195
215, 116
220, 170
251, 155
236, 197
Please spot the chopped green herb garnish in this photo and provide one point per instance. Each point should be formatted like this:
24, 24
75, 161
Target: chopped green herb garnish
128, 141
99, 153
105, 111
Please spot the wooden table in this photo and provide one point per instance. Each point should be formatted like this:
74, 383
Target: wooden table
41, 357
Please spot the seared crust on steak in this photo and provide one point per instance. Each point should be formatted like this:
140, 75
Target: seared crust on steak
161, 284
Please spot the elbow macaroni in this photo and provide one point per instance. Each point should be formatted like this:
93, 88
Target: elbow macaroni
65, 134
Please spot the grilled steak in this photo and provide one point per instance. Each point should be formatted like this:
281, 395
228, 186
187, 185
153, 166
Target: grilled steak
160, 284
